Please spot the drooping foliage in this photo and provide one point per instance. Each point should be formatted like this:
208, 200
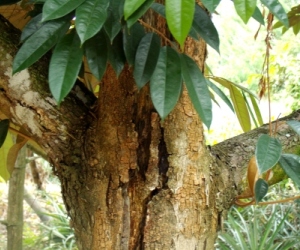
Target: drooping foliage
110, 31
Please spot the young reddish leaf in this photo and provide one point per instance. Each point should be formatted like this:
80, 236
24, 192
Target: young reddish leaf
8, 143
131, 40
197, 89
4, 126
131, 6
267, 152
245, 8
261, 189
90, 17
65, 65
166, 82
56, 9
96, 54
211, 5
252, 174
146, 59
39, 43
291, 166
139, 12
277, 9
179, 14
204, 27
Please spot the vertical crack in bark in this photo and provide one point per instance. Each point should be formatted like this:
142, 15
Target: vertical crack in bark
163, 163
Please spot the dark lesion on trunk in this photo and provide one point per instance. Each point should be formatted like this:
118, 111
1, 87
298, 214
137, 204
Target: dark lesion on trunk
163, 163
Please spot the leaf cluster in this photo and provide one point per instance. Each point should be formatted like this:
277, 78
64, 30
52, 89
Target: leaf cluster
111, 31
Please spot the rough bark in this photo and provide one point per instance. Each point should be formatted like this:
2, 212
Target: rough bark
129, 181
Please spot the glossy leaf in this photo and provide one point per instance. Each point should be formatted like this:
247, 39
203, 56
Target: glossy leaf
258, 16
277, 9
197, 89
179, 14
113, 24
211, 5
53, 9
291, 166
295, 125
31, 27
261, 189
139, 12
204, 26
131, 40
131, 6
96, 54
267, 152
220, 93
4, 126
146, 58
8, 143
159, 8
245, 8
116, 54
166, 82
90, 17
256, 110
238, 101
65, 65
39, 43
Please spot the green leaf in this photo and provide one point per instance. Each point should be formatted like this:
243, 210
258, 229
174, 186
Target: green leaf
277, 9
211, 5
238, 103
146, 58
203, 25
97, 54
131, 6
166, 82
258, 16
256, 110
8, 143
295, 125
65, 65
220, 93
31, 27
159, 8
116, 54
197, 89
113, 24
4, 126
90, 17
54, 9
131, 40
291, 166
267, 152
39, 43
139, 12
261, 189
245, 8
179, 14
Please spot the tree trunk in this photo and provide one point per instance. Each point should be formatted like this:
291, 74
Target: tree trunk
129, 180
15, 204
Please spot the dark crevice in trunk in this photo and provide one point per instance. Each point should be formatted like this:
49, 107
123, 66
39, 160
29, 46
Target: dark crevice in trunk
163, 163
